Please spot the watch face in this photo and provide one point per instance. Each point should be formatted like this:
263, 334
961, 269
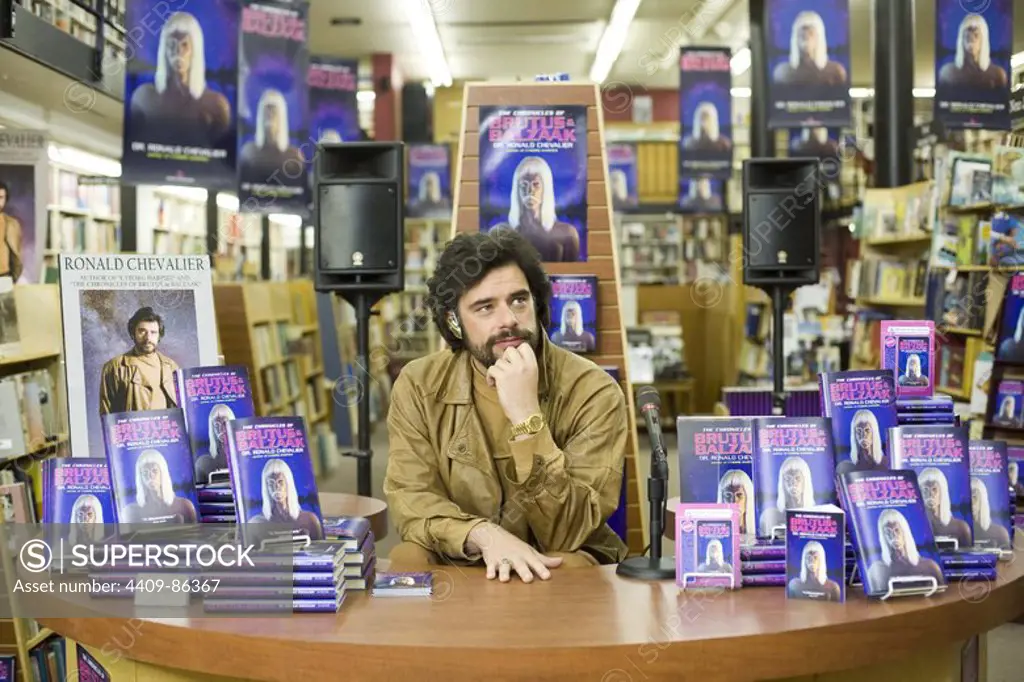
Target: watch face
536, 422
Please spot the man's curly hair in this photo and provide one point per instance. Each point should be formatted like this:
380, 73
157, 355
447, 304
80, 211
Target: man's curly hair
467, 259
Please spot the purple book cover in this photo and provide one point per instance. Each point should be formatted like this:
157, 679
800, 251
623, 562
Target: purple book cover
429, 191
7, 668
793, 468
574, 312
77, 491
272, 475
862, 406
908, 349
968, 559
761, 552
766, 580
622, 174
715, 464
707, 546
925, 405
815, 565
763, 566
277, 592
333, 108
218, 494
150, 467
533, 177
1010, 347
939, 456
990, 494
211, 397
1009, 404
349, 531
89, 669
1014, 465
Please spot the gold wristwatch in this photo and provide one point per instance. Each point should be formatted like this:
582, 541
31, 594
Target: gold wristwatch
533, 424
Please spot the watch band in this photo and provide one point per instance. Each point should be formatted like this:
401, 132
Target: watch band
533, 424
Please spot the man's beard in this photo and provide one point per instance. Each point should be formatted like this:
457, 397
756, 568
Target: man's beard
145, 348
484, 354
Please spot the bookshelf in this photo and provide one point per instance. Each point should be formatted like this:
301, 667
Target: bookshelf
83, 216
651, 246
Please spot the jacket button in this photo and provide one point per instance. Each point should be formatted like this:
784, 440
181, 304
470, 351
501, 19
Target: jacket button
461, 448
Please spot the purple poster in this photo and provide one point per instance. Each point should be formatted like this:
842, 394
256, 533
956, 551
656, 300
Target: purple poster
701, 195
429, 193
333, 112
23, 199
272, 101
973, 44
808, 63
622, 175
820, 143
180, 93
533, 177
705, 113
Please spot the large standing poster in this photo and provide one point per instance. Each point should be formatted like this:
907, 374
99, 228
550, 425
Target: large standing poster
808, 63
705, 113
23, 196
973, 42
429, 190
533, 177
333, 111
272, 103
180, 94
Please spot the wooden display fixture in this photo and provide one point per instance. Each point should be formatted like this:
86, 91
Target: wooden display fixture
603, 258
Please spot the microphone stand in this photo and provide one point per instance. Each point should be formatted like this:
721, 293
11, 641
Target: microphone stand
654, 566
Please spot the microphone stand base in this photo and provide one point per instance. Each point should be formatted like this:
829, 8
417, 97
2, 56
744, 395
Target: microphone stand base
647, 568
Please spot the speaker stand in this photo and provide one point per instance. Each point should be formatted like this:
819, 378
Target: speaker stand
780, 295
363, 302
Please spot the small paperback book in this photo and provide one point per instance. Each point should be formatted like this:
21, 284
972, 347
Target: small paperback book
77, 491
151, 467
896, 552
272, 476
574, 312
403, 584
707, 546
939, 456
816, 553
210, 398
862, 406
1009, 404
990, 495
715, 465
908, 349
794, 468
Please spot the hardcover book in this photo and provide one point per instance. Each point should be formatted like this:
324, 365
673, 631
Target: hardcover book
129, 321
990, 495
896, 552
1010, 346
285, 605
211, 397
939, 455
715, 465
272, 476
793, 467
816, 553
151, 467
403, 584
574, 312
908, 349
1014, 468
862, 406
707, 546
926, 405
348, 531
1009, 404
76, 492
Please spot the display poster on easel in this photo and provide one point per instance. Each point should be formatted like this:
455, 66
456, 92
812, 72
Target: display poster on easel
24, 168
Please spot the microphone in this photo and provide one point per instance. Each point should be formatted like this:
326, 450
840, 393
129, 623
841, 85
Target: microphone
649, 402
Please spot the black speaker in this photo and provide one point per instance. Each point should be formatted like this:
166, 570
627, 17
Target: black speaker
359, 216
781, 221
417, 114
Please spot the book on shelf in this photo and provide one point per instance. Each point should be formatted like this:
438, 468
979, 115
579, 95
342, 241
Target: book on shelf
574, 307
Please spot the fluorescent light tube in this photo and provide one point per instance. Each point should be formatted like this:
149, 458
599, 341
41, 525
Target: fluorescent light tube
613, 38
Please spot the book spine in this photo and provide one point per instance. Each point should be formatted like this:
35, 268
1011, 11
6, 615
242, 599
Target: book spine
762, 567
762, 552
270, 606
768, 580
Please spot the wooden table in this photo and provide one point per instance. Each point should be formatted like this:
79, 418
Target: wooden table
583, 624
344, 504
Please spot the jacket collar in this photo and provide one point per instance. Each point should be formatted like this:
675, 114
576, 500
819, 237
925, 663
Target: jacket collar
456, 385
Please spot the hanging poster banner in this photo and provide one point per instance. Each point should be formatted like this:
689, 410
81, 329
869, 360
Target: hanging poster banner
622, 174
429, 190
701, 195
333, 112
819, 143
180, 94
973, 42
272, 108
705, 113
24, 164
808, 63
533, 177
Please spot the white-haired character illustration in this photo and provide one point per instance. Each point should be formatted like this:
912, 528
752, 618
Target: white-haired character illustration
714, 559
1012, 348
972, 67
620, 187
1013, 472
330, 135
178, 101
988, 532
281, 501
795, 490
900, 556
866, 452
813, 582
808, 62
700, 196
217, 457
706, 134
937, 503
155, 501
735, 487
270, 149
1007, 412
912, 375
86, 520
571, 333
815, 142
532, 213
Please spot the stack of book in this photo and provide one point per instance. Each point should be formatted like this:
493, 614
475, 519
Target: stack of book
932, 410
216, 503
763, 564
968, 566
354, 535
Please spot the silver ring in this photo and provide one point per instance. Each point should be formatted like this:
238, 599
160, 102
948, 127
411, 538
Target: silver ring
505, 562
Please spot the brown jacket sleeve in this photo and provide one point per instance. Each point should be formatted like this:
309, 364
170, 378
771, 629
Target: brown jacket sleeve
417, 500
567, 494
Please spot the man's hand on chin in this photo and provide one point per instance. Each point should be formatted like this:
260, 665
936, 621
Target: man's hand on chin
515, 376
504, 552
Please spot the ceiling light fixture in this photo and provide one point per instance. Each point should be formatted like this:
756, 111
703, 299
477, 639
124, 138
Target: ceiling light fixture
421, 21
366, 95
613, 38
741, 92
740, 62
924, 93
1017, 60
